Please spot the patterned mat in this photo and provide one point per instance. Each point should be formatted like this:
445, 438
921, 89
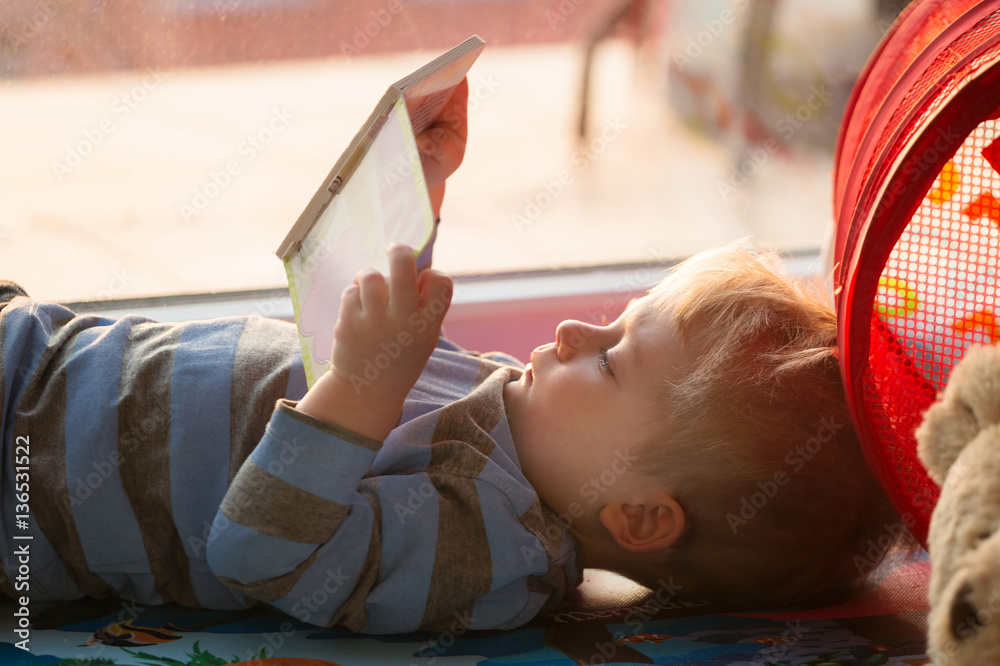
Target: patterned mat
608, 620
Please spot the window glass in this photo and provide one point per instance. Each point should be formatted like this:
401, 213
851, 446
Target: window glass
157, 147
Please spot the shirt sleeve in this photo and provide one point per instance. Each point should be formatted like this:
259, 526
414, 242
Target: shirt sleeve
295, 496
304, 529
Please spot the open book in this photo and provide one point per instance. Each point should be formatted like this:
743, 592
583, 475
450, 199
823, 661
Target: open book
374, 195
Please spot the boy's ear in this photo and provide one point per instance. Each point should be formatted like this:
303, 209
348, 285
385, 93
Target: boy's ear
644, 528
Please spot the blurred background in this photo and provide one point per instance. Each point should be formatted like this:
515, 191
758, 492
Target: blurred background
156, 147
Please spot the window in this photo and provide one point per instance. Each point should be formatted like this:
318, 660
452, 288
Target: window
155, 147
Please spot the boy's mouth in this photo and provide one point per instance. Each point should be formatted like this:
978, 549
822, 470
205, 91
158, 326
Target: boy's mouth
528, 375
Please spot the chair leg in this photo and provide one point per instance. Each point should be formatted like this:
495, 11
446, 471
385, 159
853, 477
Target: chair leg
604, 28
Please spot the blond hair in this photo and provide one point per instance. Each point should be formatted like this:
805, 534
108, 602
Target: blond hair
759, 448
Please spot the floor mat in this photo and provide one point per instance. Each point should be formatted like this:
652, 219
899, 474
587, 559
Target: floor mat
608, 620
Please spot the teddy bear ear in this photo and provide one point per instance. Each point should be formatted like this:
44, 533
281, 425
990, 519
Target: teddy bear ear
948, 427
969, 402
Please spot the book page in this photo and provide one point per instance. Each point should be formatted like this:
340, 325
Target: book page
384, 201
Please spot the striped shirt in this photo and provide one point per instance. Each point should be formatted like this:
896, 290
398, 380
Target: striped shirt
160, 470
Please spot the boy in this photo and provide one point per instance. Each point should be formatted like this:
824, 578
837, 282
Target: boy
453, 490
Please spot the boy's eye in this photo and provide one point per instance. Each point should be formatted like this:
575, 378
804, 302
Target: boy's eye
602, 362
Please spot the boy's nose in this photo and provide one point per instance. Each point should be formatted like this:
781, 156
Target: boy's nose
571, 336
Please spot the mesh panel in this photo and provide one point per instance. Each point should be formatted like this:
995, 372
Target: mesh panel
941, 76
914, 38
937, 295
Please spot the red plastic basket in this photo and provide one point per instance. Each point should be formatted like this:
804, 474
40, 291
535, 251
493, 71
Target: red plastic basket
917, 206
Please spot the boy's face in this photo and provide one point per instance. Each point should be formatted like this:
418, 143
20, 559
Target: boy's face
586, 399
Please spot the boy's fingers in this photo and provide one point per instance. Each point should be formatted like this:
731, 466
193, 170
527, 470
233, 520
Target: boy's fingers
452, 153
350, 301
444, 147
350, 306
402, 277
461, 95
456, 111
425, 144
434, 140
453, 118
435, 292
374, 291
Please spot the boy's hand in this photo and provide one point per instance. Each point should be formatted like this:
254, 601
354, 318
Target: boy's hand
384, 335
398, 320
442, 145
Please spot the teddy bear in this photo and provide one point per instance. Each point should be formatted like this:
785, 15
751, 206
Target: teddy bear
959, 443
